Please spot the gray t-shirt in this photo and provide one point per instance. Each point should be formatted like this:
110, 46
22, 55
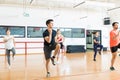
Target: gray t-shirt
97, 39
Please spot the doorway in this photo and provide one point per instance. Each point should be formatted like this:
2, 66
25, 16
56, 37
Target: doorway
89, 38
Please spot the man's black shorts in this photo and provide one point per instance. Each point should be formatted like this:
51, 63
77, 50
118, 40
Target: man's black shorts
48, 50
115, 48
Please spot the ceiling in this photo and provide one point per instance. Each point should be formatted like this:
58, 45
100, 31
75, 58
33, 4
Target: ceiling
58, 3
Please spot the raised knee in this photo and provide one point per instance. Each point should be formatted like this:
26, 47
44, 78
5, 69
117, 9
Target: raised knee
58, 45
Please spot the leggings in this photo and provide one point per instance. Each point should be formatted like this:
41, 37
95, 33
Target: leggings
8, 54
95, 49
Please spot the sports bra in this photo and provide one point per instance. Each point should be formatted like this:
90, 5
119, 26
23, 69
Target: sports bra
59, 38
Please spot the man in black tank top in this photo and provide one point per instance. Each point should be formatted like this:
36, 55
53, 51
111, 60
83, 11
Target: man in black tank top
50, 44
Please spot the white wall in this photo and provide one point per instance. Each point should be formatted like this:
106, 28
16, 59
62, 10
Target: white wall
95, 22
62, 18
114, 17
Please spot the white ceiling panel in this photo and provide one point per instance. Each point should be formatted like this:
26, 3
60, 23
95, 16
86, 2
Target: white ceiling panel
59, 3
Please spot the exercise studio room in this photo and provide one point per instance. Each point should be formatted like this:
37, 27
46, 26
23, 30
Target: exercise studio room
59, 40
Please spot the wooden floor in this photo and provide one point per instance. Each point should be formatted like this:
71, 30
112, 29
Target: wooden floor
77, 66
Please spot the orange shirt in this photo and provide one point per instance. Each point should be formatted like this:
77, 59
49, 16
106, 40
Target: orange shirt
114, 42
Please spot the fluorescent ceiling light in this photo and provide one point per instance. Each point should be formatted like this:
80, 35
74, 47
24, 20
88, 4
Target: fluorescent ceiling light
113, 8
79, 4
68, 1
83, 17
99, 4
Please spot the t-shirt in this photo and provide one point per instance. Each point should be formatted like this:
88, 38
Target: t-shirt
46, 33
97, 39
9, 44
114, 42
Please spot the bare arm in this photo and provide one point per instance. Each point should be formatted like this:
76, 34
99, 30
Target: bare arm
116, 36
5, 39
56, 40
49, 38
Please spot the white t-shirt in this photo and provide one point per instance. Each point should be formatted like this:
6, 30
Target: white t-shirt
9, 44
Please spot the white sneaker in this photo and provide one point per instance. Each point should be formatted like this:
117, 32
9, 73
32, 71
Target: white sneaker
9, 67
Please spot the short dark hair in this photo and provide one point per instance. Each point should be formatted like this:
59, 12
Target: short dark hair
114, 23
48, 21
7, 29
94, 32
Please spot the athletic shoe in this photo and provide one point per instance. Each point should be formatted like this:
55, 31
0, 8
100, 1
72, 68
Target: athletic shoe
100, 52
94, 59
112, 68
53, 61
48, 74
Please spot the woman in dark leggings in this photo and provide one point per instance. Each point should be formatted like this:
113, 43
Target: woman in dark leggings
97, 44
9, 45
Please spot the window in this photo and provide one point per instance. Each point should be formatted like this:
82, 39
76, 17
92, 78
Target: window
73, 32
16, 31
34, 32
44, 28
62, 31
67, 32
78, 33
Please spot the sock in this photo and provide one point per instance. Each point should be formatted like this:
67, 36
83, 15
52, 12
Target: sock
53, 57
48, 72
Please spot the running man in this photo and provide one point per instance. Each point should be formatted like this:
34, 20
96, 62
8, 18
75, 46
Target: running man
50, 45
114, 43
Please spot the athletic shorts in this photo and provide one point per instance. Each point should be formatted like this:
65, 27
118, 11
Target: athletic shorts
115, 48
48, 50
61, 45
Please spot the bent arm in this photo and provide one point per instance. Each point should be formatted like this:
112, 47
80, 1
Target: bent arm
48, 38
